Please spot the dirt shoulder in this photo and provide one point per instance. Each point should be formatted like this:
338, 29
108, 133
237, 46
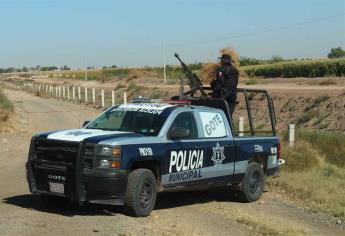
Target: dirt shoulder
216, 212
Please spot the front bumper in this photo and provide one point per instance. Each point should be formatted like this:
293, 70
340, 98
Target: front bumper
97, 186
106, 189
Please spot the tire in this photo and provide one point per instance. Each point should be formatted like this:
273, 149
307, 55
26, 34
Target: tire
253, 182
141, 193
54, 202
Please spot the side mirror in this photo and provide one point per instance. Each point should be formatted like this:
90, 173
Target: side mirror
179, 133
86, 123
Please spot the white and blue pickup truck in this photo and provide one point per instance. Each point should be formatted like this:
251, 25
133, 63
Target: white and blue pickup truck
130, 152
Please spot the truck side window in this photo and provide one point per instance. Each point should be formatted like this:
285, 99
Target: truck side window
186, 120
213, 124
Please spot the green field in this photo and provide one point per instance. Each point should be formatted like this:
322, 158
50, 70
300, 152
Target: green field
293, 69
285, 69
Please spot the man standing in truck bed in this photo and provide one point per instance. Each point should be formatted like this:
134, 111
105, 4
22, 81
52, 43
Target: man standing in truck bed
225, 84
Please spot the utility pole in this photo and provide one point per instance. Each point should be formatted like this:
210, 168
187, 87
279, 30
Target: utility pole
85, 68
164, 65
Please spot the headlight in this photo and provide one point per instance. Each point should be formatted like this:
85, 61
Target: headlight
109, 151
109, 157
113, 164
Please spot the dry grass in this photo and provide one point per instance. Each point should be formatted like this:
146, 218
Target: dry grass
251, 82
302, 157
259, 223
330, 81
314, 173
209, 70
265, 227
321, 189
6, 107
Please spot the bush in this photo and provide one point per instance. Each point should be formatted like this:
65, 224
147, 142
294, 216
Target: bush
328, 82
306, 117
156, 94
331, 145
120, 86
300, 158
5, 104
6, 107
316, 102
251, 82
134, 87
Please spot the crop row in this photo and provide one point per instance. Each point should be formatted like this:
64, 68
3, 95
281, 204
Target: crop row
308, 68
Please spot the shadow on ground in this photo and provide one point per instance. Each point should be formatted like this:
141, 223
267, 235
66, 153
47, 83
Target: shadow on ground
165, 200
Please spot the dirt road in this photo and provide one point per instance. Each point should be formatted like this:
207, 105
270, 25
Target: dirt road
216, 212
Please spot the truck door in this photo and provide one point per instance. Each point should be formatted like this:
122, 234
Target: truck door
184, 157
219, 146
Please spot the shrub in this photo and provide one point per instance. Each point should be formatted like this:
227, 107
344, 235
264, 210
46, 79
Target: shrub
316, 102
329, 144
5, 104
251, 82
306, 117
156, 94
134, 87
300, 158
328, 82
120, 86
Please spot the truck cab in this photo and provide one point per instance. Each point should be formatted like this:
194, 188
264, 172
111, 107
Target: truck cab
130, 152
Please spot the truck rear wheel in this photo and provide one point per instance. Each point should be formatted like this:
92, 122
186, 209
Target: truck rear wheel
252, 185
141, 193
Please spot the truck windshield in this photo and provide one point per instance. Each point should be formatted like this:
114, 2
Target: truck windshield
133, 118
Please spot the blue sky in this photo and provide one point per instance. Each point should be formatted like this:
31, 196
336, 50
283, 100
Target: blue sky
82, 33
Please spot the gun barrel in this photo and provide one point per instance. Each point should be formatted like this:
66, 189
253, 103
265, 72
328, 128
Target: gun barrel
182, 63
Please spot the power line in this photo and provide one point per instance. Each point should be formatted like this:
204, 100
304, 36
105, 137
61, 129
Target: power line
260, 32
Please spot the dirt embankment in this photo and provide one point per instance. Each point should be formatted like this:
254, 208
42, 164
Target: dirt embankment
216, 212
322, 110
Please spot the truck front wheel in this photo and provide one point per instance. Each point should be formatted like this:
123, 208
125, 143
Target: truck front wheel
252, 185
141, 193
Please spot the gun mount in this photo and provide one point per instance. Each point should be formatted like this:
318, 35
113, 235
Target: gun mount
194, 83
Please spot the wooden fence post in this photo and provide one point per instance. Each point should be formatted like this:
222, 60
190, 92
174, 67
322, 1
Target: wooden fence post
68, 93
240, 126
79, 94
291, 128
112, 97
93, 96
102, 97
86, 97
73, 93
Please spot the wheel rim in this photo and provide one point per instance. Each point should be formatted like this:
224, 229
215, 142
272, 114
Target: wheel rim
254, 182
146, 193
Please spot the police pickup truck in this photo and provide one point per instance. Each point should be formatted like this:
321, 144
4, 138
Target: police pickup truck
130, 152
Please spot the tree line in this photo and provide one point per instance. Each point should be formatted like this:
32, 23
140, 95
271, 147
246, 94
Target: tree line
337, 52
